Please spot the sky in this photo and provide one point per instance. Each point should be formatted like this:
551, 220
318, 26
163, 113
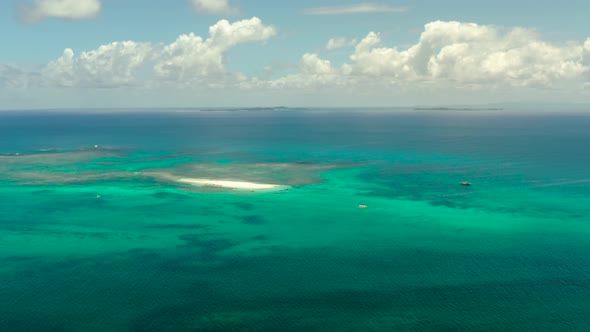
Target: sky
326, 53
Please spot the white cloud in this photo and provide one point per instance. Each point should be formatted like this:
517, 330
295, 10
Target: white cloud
191, 58
313, 72
470, 53
215, 7
187, 60
360, 8
66, 9
451, 55
450, 61
586, 53
313, 65
339, 42
110, 65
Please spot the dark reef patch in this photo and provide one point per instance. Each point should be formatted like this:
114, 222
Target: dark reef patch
209, 248
177, 226
253, 220
244, 206
169, 195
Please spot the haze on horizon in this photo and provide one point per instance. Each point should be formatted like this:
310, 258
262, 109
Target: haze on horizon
224, 53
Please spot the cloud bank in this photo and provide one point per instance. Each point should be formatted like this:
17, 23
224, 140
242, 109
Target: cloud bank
449, 58
465, 54
190, 58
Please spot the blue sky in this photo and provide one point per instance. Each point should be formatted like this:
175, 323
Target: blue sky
274, 62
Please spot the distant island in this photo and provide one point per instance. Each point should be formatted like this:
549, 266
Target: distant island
455, 109
251, 109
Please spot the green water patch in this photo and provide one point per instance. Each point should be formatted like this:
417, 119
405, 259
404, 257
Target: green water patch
325, 213
502, 190
197, 288
139, 254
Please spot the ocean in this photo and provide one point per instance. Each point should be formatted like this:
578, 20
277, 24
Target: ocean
99, 233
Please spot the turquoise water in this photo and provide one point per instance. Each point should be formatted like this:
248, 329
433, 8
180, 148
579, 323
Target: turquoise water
97, 239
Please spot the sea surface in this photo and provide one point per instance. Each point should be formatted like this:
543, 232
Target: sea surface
96, 236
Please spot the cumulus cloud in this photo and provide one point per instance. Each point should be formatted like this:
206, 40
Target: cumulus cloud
215, 7
191, 57
312, 64
110, 65
37, 10
470, 53
447, 55
586, 53
339, 42
360, 8
452, 54
313, 72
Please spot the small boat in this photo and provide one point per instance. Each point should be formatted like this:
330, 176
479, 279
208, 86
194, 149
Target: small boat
465, 183
363, 206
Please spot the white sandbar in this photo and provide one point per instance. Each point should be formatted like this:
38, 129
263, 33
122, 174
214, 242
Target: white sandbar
230, 184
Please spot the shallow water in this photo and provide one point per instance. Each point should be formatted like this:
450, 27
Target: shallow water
90, 240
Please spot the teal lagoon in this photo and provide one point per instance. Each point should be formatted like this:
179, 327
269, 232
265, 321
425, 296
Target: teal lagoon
97, 234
